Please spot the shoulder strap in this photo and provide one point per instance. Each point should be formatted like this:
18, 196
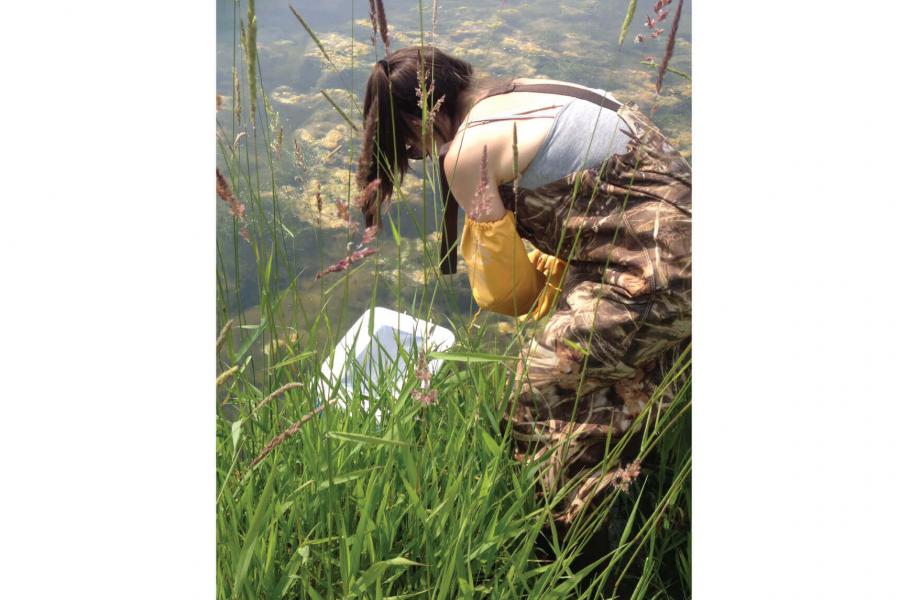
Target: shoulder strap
451, 207
557, 88
513, 116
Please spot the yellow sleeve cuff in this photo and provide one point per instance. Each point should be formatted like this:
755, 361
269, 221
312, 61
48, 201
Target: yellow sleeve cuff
554, 270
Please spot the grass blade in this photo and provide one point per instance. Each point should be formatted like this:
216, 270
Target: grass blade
359, 438
314, 37
340, 111
470, 357
629, 15
256, 526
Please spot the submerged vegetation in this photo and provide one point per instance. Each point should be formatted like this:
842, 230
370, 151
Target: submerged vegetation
423, 498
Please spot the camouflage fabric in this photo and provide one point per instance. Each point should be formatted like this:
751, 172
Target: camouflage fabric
625, 229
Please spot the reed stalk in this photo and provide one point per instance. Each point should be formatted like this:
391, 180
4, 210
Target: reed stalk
225, 375
382, 25
286, 387
515, 153
251, 57
670, 47
289, 432
220, 340
374, 20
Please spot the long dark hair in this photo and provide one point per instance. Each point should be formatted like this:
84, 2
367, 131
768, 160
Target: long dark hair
393, 115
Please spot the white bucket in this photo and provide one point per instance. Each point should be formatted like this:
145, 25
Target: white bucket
362, 358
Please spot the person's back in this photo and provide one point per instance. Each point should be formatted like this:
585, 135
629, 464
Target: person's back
557, 134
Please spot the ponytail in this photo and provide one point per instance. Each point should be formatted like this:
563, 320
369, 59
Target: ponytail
392, 117
379, 156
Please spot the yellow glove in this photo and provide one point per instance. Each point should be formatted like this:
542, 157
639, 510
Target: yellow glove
504, 279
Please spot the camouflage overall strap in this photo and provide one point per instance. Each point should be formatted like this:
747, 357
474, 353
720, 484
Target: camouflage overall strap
451, 206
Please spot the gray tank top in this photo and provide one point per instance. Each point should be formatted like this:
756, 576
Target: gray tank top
582, 135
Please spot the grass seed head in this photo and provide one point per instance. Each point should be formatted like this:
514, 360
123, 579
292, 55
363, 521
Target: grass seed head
427, 397
344, 263
319, 198
237, 139
382, 25
422, 372
298, 154
481, 205
670, 47
368, 235
236, 84
223, 335
433, 18
374, 22
224, 192
279, 140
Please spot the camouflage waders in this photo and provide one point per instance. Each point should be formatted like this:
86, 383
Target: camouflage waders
625, 229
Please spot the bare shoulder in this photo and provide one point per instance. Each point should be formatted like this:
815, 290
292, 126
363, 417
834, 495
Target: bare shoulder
463, 166
462, 163
464, 155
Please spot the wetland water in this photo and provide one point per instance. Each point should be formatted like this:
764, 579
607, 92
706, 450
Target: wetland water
573, 41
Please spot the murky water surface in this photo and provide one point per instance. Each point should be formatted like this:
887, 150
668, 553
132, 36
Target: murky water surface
570, 40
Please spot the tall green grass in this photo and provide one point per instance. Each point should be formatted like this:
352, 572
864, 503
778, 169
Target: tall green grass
427, 502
